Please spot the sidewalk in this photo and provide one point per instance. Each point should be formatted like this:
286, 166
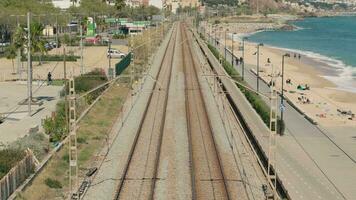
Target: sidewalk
18, 123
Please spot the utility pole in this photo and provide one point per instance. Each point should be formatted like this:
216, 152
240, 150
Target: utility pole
57, 33
243, 57
282, 91
65, 88
18, 54
110, 59
258, 66
29, 64
73, 155
232, 50
81, 50
272, 175
225, 42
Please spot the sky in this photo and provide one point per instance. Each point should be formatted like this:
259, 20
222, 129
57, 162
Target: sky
157, 3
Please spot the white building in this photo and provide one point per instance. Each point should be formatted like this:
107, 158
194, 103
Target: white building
64, 4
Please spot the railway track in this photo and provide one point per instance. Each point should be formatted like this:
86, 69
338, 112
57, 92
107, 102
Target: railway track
208, 177
176, 123
140, 171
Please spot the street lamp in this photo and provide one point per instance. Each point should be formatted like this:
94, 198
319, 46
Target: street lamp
225, 42
243, 57
282, 92
232, 49
258, 66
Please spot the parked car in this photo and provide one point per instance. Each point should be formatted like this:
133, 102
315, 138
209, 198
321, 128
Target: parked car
114, 53
4, 44
48, 46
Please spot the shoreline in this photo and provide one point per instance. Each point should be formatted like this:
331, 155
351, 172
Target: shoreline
332, 69
327, 101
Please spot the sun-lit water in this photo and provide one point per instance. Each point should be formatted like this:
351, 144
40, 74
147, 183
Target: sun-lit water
330, 40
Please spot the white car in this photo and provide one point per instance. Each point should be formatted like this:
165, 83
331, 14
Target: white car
113, 53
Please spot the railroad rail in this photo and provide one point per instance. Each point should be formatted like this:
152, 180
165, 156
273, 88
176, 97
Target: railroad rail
208, 177
248, 121
150, 127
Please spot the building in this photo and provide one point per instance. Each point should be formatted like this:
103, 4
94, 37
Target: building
173, 5
64, 4
135, 3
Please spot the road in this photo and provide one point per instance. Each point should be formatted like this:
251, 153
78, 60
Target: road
311, 164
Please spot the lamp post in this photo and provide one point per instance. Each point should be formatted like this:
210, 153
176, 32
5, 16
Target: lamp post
232, 49
29, 64
282, 92
258, 66
225, 42
243, 57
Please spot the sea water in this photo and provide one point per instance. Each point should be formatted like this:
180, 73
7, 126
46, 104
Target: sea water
330, 40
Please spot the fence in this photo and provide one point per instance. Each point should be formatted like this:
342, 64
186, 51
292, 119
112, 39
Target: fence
18, 174
122, 65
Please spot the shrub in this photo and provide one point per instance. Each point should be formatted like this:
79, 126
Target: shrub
119, 36
53, 58
56, 127
260, 106
52, 183
8, 159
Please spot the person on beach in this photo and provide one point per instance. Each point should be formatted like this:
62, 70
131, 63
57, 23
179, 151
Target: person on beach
295, 55
299, 56
49, 78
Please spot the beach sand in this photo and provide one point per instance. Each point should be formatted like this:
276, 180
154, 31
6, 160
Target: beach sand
325, 97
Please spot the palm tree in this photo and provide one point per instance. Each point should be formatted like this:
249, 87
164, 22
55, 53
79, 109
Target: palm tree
37, 42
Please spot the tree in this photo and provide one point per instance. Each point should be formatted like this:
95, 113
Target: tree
37, 43
11, 53
120, 4
20, 39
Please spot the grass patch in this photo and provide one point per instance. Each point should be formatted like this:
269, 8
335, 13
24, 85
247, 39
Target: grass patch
56, 127
92, 139
52, 183
58, 82
259, 105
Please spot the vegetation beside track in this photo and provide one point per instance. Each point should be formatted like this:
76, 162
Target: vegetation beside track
260, 106
55, 126
92, 135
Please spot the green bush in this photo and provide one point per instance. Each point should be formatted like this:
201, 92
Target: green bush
56, 127
260, 106
52, 183
53, 58
89, 81
8, 159
119, 36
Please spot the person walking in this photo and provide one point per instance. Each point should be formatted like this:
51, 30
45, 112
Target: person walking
49, 78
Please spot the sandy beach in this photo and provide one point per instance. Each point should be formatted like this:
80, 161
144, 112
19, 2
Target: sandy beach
326, 104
